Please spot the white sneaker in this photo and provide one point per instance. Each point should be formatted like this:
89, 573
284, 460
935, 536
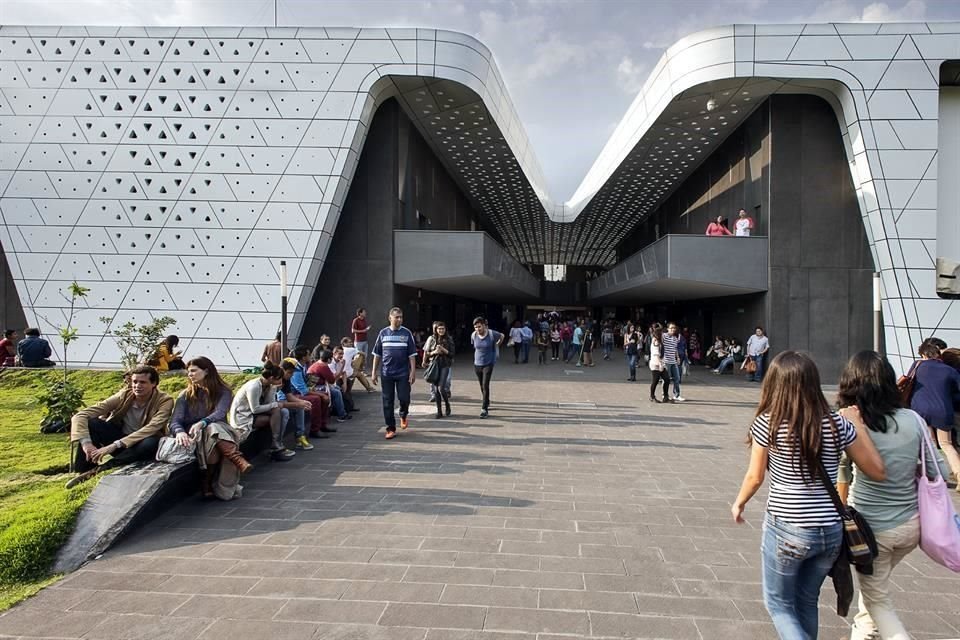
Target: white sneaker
679, 399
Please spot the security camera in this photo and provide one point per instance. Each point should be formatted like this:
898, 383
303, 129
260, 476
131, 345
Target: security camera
711, 104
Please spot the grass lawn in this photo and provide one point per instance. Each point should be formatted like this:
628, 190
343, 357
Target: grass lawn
36, 512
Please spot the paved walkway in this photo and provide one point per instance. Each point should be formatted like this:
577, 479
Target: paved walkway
577, 510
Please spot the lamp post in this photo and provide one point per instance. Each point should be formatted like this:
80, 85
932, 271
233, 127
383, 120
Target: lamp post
283, 307
877, 313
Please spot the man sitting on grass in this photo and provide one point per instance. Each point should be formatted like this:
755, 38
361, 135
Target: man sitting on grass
126, 426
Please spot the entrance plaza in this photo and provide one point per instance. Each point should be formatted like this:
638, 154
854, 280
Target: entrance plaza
577, 510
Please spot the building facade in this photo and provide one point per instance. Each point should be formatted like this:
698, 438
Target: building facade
170, 170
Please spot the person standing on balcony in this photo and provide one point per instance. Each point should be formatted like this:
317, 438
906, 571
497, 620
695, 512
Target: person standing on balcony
744, 224
718, 228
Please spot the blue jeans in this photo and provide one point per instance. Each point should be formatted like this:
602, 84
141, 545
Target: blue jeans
673, 370
796, 561
726, 362
565, 345
299, 420
336, 400
632, 365
607, 349
525, 346
760, 360
284, 421
391, 388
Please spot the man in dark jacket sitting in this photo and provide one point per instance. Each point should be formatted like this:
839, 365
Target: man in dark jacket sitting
126, 426
34, 351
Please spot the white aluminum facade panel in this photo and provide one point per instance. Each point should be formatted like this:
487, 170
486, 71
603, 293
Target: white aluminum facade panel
170, 169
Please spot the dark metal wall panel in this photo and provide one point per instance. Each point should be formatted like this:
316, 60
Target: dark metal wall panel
12, 317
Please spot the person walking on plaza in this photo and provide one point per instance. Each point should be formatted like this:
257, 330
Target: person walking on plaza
358, 330
526, 334
633, 352
868, 397
439, 348
516, 341
395, 361
542, 342
486, 344
671, 358
936, 384
566, 338
757, 347
606, 340
658, 371
794, 435
555, 342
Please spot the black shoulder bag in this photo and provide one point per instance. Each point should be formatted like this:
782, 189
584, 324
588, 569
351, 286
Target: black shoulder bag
858, 546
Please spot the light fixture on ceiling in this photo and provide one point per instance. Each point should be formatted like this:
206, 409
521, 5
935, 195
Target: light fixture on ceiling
711, 103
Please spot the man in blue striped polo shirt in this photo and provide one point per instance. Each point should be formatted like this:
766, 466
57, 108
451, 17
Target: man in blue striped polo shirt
395, 361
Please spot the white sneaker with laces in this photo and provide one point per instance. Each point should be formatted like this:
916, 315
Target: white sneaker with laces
679, 399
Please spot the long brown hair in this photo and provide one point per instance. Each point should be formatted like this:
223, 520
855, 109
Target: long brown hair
212, 384
791, 396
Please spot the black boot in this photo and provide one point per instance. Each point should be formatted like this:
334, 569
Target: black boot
439, 410
446, 404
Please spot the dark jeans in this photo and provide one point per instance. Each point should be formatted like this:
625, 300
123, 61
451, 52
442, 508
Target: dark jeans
526, 351
390, 388
657, 377
484, 374
760, 360
517, 348
555, 350
103, 433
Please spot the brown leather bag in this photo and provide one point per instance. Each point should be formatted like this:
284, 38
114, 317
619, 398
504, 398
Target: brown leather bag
906, 383
750, 366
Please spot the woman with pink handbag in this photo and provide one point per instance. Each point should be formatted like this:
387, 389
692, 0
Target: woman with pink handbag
868, 397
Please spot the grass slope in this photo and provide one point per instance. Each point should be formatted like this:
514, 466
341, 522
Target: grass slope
36, 512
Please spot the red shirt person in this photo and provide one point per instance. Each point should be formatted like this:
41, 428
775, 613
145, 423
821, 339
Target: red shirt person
359, 328
717, 228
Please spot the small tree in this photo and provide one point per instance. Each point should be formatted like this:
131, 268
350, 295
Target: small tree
61, 399
138, 343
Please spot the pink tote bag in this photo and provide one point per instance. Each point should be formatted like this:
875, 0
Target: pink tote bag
939, 523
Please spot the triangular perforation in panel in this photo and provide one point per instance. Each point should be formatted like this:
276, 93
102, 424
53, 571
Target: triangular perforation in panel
64, 129
178, 75
223, 76
74, 102
192, 49
133, 157
179, 158
44, 157
237, 132
223, 160
88, 157
139, 240
207, 104
103, 48
101, 130
281, 50
119, 185
163, 186
237, 215
252, 104
132, 75
208, 186
150, 213
222, 242
145, 49
282, 133
163, 102
19, 47
191, 131
43, 75
73, 184
234, 49
77, 267
27, 101
89, 74
193, 214
266, 76
57, 49
120, 103
103, 213
149, 131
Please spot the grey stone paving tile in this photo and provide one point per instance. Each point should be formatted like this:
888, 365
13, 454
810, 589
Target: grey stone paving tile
393, 591
583, 565
107, 581
383, 541
115, 602
491, 534
28, 622
367, 632
450, 576
357, 571
299, 588
491, 596
536, 579
332, 554
537, 621
249, 552
497, 561
459, 544
620, 626
248, 608
722, 608
671, 569
423, 558
656, 585
272, 568
739, 629
140, 627
541, 548
258, 630
588, 600
58, 599
433, 615
234, 586
457, 634
352, 612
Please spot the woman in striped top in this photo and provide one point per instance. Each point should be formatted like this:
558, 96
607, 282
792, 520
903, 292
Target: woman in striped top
793, 432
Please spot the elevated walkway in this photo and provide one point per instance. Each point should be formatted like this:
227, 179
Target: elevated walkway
463, 263
686, 267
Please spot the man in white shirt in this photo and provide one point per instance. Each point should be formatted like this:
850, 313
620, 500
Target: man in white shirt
757, 347
744, 224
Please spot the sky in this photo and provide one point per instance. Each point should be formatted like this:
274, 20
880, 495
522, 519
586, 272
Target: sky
572, 67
